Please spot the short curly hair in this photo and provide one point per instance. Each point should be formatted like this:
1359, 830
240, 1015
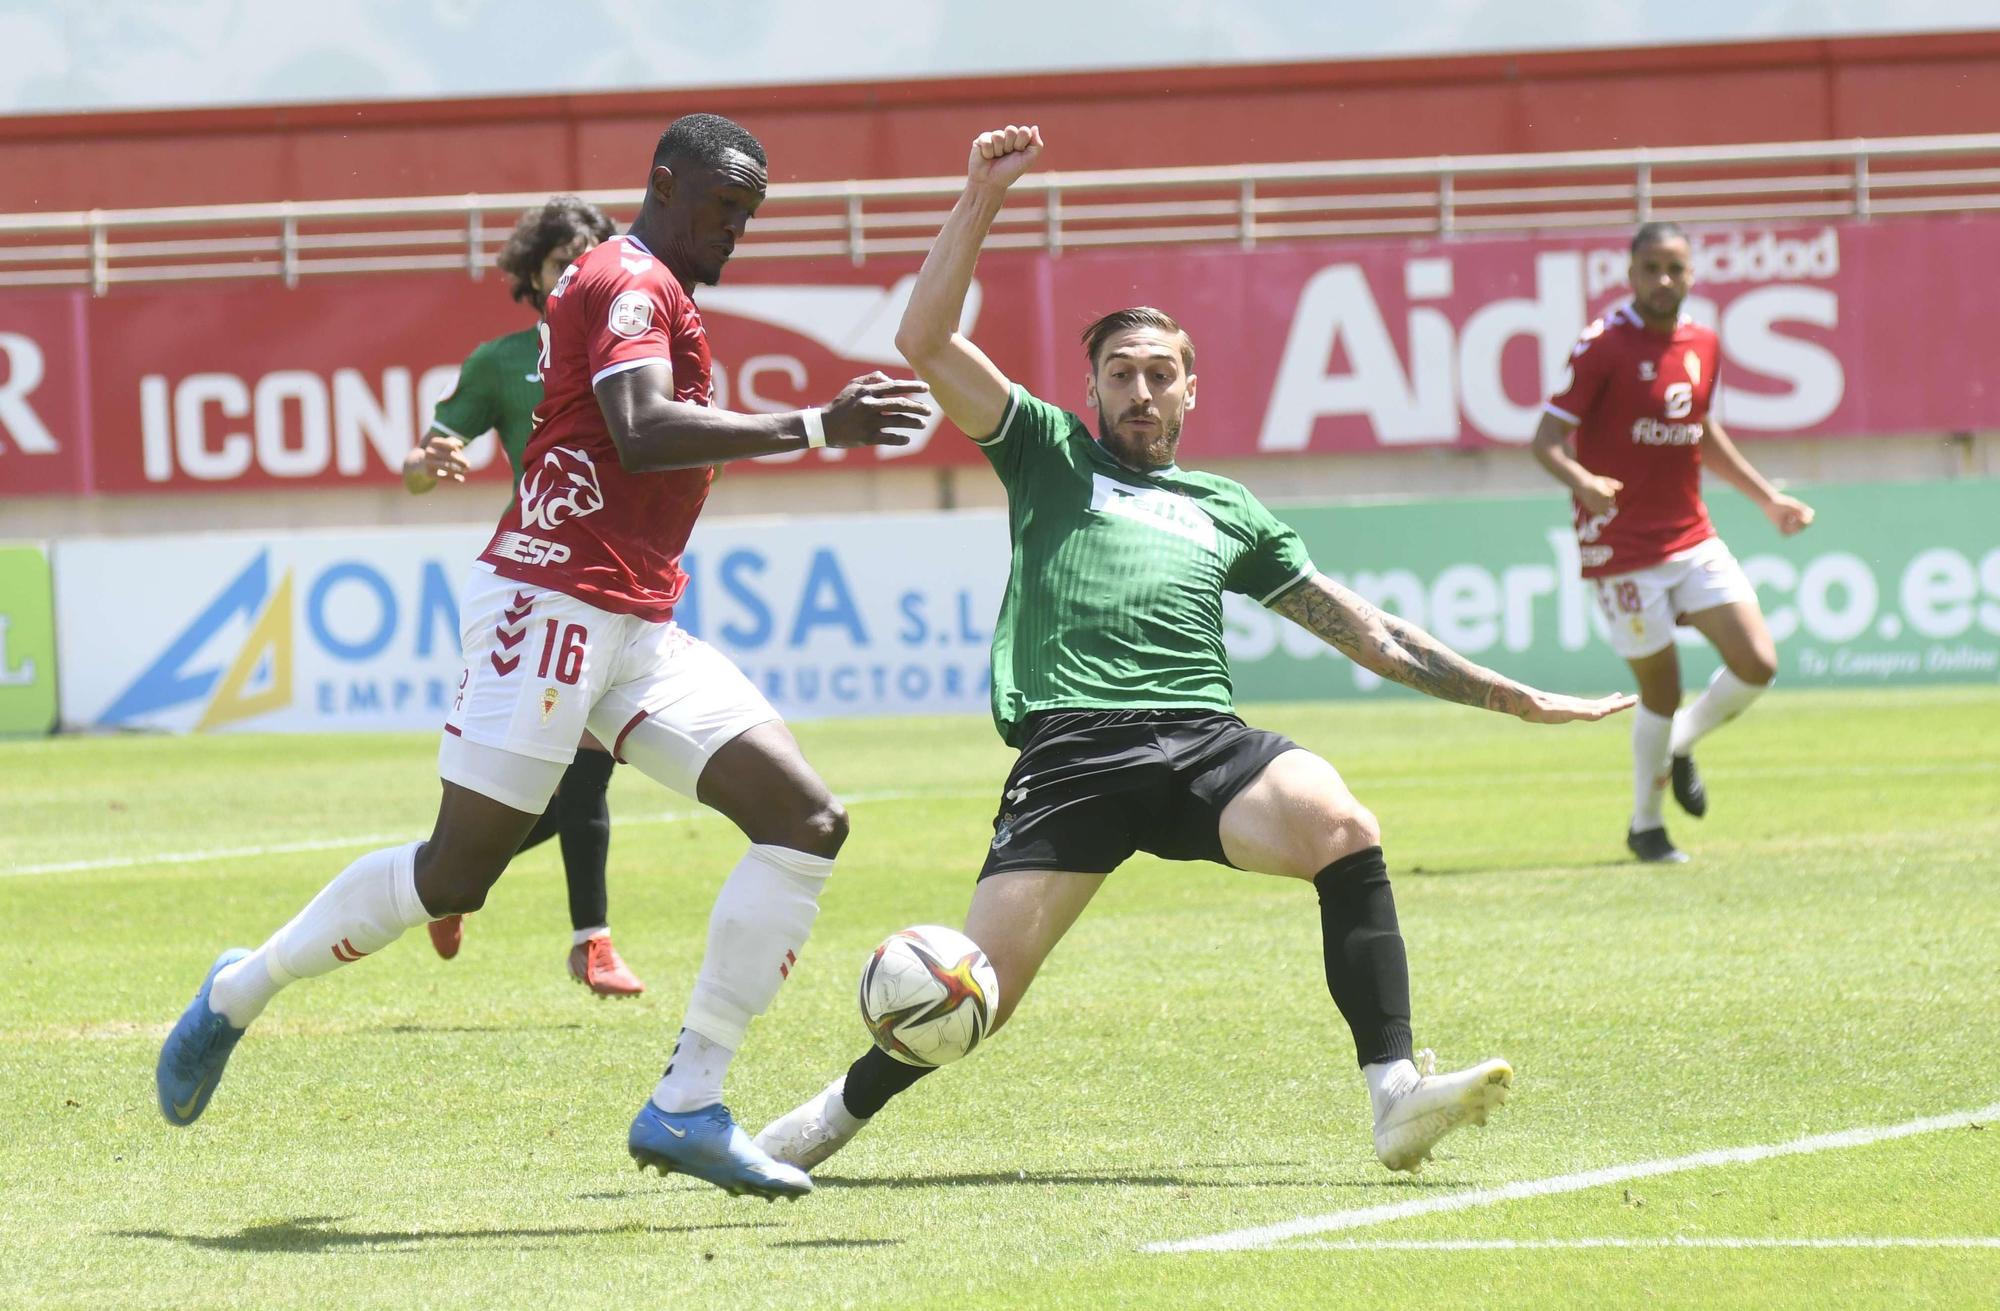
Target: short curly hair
557, 222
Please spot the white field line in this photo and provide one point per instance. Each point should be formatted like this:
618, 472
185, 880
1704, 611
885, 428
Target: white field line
1772, 772
1577, 1244
863, 798
383, 839
1237, 1240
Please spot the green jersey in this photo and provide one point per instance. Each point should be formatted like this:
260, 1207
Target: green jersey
1114, 600
499, 386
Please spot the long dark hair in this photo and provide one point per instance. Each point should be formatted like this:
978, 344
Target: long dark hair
555, 223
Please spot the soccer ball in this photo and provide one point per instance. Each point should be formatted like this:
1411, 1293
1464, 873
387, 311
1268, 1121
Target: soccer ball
928, 995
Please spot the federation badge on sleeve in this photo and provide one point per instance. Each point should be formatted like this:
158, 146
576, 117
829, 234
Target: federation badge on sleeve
631, 314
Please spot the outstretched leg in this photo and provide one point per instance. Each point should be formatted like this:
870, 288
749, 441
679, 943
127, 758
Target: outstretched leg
1017, 917
1298, 819
362, 911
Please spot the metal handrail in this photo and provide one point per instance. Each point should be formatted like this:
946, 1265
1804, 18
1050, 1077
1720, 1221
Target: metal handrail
1244, 205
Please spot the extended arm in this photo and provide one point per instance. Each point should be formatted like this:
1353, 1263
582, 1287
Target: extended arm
1403, 653
653, 431
1720, 454
970, 388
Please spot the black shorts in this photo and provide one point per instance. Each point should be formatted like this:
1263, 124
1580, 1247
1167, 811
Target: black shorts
1090, 787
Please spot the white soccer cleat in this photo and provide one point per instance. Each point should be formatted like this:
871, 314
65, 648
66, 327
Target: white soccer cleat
811, 1133
1410, 1126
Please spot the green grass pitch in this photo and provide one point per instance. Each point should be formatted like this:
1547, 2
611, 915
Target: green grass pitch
410, 1132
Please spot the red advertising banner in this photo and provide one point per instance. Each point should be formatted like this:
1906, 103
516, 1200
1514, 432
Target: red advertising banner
45, 416
1827, 331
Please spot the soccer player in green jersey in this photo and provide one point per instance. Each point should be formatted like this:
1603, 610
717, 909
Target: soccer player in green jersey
1111, 678
499, 386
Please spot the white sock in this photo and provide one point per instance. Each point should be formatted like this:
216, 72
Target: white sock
837, 1113
694, 1074
1727, 697
364, 910
581, 936
1650, 736
1387, 1081
755, 932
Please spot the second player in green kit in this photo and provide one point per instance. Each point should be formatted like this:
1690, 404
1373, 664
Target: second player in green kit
1111, 678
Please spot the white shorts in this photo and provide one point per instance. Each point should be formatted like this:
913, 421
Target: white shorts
542, 666
1642, 607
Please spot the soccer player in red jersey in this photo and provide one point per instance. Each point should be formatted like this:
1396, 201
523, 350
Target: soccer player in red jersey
1637, 401
567, 624
499, 388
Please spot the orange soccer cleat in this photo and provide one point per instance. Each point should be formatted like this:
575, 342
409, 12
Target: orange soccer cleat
596, 963
448, 935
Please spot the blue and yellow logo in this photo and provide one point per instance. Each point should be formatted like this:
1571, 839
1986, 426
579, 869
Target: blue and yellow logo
257, 681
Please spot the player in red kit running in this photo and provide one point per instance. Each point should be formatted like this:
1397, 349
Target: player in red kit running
567, 624
1637, 399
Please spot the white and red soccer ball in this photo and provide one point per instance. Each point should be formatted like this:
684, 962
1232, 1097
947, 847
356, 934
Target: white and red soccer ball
928, 995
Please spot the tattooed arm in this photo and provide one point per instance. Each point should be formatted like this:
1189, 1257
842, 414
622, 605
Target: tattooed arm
1403, 653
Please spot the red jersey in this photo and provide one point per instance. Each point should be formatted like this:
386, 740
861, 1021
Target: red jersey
1639, 399
582, 524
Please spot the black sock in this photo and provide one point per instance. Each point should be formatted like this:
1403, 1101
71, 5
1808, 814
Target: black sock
874, 1079
1366, 969
586, 836
545, 827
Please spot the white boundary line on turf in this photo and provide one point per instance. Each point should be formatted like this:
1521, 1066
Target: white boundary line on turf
1238, 1240
675, 817
1573, 1244
383, 839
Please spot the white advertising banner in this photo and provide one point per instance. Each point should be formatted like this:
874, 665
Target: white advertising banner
358, 630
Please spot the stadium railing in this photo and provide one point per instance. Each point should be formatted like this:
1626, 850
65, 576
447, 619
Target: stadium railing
1245, 206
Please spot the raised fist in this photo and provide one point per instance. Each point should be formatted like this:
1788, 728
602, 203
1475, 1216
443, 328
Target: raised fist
1000, 156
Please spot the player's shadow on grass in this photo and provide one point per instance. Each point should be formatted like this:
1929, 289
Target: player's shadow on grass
1446, 870
1086, 1179
314, 1233
510, 1027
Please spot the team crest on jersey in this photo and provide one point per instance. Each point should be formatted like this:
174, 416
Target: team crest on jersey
1648, 371
631, 314
563, 487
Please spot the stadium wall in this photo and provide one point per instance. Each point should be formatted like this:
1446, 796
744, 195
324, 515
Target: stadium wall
1350, 369
1696, 94
75, 407
835, 615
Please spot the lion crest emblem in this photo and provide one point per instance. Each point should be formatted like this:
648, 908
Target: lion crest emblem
562, 488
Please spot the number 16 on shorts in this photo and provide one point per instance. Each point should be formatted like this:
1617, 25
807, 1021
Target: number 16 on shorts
527, 684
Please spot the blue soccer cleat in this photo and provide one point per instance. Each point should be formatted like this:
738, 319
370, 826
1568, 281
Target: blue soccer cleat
708, 1145
193, 1055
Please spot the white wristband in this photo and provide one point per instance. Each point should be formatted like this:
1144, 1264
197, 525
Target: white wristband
815, 429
